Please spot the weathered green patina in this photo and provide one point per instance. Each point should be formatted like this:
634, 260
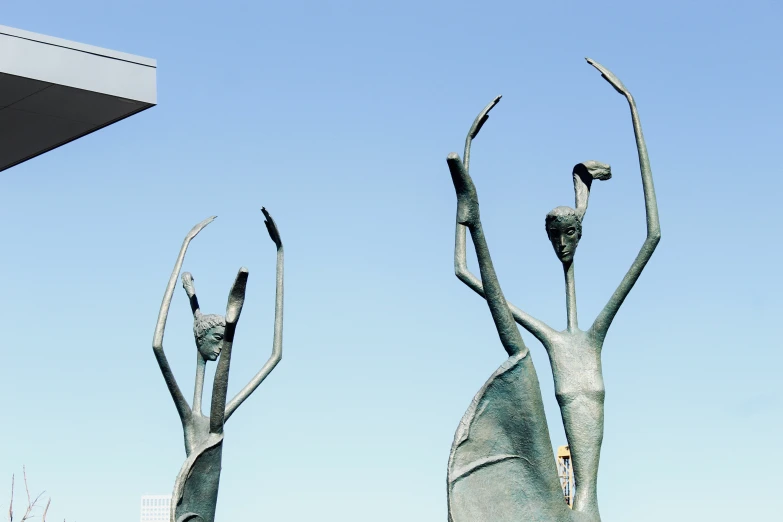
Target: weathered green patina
501, 466
196, 487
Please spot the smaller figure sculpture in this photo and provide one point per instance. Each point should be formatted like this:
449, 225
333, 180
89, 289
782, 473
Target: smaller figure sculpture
196, 487
503, 436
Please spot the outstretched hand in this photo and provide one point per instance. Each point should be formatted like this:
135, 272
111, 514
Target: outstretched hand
198, 228
609, 77
187, 284
481, 119
236, 299
467, 199
272, 229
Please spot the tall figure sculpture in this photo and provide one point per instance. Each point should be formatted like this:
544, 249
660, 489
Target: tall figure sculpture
196, 487
501, 465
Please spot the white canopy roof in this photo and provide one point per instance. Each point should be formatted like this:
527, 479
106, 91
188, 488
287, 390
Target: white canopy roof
53, 91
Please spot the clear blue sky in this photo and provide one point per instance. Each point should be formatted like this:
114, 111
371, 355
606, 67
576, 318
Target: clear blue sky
337, 116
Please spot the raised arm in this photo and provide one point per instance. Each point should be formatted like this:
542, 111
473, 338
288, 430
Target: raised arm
157, 341
277, 340
604, 319
468, 215
236, 299
201, 363
539, 329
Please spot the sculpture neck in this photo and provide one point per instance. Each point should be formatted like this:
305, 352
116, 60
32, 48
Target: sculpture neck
201, 365
568, 268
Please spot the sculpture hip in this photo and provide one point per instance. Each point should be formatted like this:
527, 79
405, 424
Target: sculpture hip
196, 488
502, 467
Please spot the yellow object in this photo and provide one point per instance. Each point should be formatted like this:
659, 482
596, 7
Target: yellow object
565, 472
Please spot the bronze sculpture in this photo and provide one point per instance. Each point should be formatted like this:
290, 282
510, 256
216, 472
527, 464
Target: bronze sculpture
501, 465
196, 487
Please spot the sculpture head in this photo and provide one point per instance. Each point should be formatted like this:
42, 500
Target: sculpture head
564, 228
209, 331
564, 224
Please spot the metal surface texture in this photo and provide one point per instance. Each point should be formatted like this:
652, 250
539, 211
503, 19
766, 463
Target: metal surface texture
502, 466
196, 487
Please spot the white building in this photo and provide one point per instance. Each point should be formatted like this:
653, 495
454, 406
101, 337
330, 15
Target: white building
155, 508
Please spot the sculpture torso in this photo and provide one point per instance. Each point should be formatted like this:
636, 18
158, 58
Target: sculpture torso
196, 431
575, 357
576, 366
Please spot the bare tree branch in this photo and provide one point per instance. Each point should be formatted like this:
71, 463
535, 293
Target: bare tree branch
46, 509
32, 503
11, 505
24, 474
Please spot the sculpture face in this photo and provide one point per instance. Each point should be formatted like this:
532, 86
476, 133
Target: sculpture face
564, 234
209, 345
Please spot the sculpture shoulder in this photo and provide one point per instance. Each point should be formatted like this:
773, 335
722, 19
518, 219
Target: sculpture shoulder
577, 341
